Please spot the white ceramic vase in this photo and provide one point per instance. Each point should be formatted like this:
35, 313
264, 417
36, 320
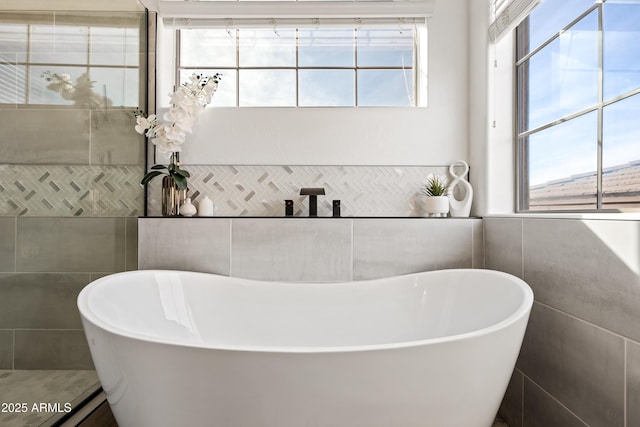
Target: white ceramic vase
436, 206
459, 185
205, 207
187, 208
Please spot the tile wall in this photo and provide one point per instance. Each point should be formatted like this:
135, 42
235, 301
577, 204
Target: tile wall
310, 250
580, 359
69, 174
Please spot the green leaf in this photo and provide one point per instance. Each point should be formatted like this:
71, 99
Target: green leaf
149, 176
181, 181
182, 173
159, 167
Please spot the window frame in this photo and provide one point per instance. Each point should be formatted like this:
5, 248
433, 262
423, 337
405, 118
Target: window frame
521, 135
414, 68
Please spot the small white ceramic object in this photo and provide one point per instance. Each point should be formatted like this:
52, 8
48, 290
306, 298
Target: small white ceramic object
205, 207
462, 207
187, 208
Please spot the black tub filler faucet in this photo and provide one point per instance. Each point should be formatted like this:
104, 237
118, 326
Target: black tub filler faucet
313, 194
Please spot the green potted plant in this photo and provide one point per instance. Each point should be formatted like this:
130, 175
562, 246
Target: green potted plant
437, 202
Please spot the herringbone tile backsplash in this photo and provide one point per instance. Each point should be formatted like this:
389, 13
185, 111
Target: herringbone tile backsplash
261, 190
105, 191
71, 190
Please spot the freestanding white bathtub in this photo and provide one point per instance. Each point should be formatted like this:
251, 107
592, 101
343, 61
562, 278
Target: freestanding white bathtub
181, 348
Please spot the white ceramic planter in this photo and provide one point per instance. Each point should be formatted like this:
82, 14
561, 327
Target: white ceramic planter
436, 206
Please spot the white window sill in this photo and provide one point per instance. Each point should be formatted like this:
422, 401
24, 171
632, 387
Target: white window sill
618, 216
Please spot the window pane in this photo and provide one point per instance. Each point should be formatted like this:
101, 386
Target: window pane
385, 48
562, 164
207, 48
225, 95
267, 88
326, 48
267, 48
563, 77
115, 46
385, 88
621, 153
326, 88
549, 17
621, 24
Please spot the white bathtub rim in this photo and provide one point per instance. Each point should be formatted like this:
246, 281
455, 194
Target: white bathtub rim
521, 312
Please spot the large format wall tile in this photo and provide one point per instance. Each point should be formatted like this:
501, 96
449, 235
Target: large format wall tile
131, 262
590, 269
6, 349
478, 260
633, 384
113, 139
503, 244
40, 300
542, 410
45, 136
308, 250
581, 365
53, 349
71, 244
7, 243
387, 247
198, 244
511, 406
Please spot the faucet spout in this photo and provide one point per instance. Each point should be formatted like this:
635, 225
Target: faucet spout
313, 194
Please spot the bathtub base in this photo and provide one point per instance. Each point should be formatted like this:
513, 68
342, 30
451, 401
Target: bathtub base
433, 349
408, 387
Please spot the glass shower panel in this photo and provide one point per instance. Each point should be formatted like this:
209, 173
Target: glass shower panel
70, 168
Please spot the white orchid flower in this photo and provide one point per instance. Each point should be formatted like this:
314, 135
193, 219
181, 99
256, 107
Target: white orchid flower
144, 123
187, 101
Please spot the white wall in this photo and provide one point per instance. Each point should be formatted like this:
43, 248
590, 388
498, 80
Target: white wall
491, 117
435, 135
478, 112
501, 151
